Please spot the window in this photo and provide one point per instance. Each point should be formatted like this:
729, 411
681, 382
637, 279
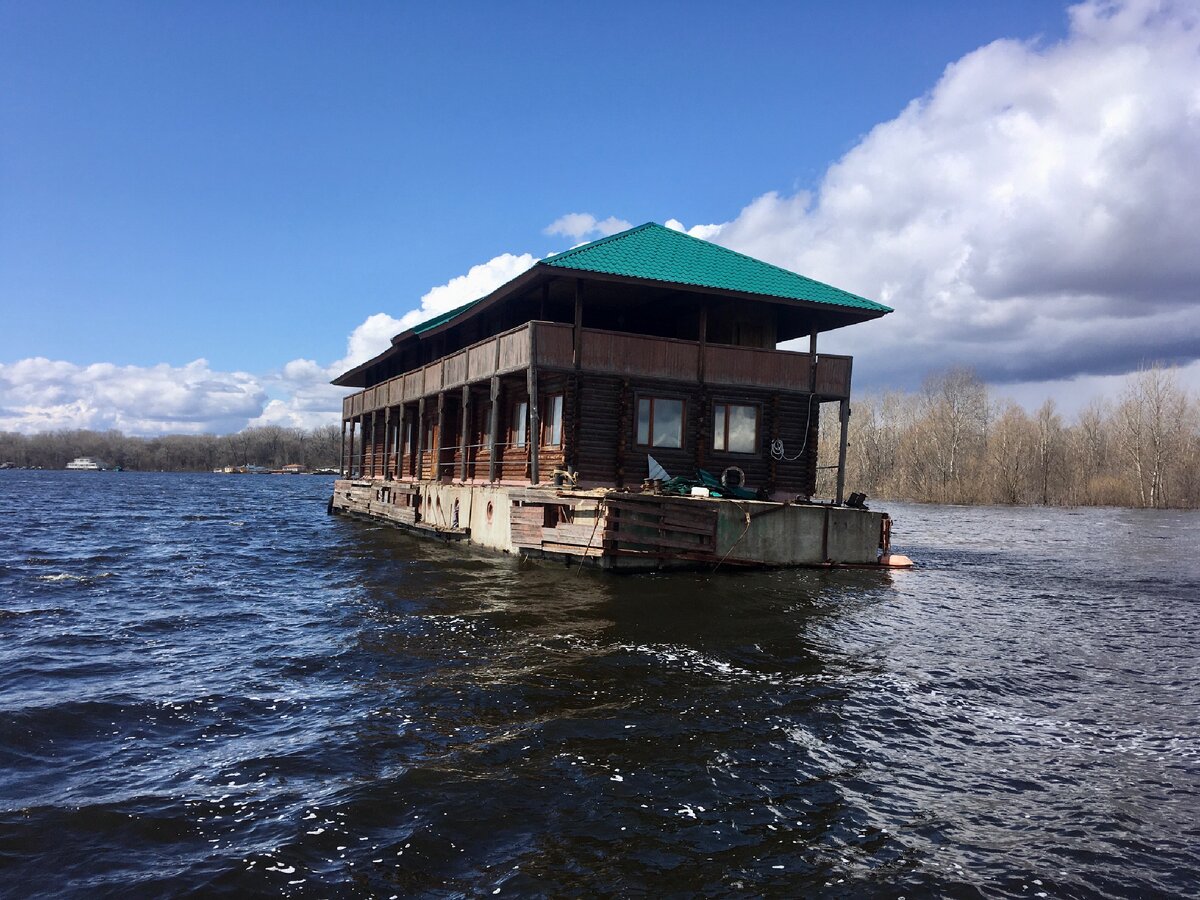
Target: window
735, 428
660, 422
552, 421
520, 417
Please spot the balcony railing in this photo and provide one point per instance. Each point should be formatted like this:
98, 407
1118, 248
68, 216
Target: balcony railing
551, 346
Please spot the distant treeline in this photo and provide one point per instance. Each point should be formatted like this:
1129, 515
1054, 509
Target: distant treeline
952, 443
271, 446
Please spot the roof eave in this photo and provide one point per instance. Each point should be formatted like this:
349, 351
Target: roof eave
852, 313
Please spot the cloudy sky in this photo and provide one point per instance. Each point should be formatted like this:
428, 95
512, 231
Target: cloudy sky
207, 212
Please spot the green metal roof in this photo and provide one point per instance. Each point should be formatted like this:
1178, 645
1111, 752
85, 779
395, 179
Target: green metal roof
656, 253
422, 327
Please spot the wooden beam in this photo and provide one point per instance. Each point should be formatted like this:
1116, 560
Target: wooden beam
844, 417
466, 407
387, 433
420, 438
534, 420
437, 440
578, 333
493, 427
398, 447
703, 335
812, 355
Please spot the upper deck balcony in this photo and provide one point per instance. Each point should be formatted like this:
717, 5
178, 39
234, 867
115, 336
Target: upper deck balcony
550, 346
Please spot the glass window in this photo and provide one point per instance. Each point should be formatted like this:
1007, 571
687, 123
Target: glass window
516, 435
660, 422
552, 423
735, 428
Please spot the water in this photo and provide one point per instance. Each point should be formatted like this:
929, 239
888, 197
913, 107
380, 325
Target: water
210, 687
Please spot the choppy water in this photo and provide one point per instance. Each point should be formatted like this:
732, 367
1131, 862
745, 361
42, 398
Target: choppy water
208, 686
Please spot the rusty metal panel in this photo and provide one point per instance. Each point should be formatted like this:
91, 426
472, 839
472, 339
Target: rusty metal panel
757, 367
454, 369
514, 349
833, 375
631, 354
556, 344
481, 360
433, 378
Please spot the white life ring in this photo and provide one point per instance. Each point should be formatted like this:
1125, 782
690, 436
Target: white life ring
741, 482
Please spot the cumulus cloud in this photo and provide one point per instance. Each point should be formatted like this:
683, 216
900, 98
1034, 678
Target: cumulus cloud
581, 226
704, 232
1034, 215
374, 335
43, 395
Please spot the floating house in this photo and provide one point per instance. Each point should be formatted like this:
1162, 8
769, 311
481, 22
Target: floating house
622, 404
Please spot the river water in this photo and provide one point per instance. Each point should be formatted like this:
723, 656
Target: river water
208, 687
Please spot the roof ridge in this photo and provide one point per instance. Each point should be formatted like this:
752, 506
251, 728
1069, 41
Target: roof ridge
770, 265
599, 241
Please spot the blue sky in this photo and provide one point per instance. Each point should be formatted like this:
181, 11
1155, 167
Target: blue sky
247, 184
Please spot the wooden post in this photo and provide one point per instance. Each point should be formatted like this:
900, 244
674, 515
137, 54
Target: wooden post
342, 456
493, 427
466, 407
812, 363
703, 329
362, 442
437, 441
844, 416
420, 438
374, 439
387, 434
534, 420
578, 332
398, 446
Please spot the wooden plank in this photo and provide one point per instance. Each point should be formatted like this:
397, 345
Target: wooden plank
650, 540
572, 549
555, 345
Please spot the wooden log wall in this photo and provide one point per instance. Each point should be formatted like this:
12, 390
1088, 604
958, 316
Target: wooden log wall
607, 450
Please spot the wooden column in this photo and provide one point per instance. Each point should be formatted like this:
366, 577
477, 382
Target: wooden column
534, 420
703, 336
812, 363
398, 446
374, 440
844, 417
438, 436
387, 435
342, 455
493, 428
578, 332
420, 438
466, 423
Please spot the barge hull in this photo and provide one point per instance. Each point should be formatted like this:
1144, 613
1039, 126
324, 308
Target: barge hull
620, 530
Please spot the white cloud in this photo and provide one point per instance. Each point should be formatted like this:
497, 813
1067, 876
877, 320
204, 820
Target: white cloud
374, 335
1034, 215
704, 232
579, 226
39, 394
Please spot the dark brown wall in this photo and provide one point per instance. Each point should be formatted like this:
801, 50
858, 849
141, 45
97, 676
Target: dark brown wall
607, 453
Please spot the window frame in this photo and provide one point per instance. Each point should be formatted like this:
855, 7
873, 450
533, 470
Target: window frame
757, 407
548, 422
518, 424
683, 420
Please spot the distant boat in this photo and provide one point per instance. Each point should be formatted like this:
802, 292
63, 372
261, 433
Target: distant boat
84, 464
